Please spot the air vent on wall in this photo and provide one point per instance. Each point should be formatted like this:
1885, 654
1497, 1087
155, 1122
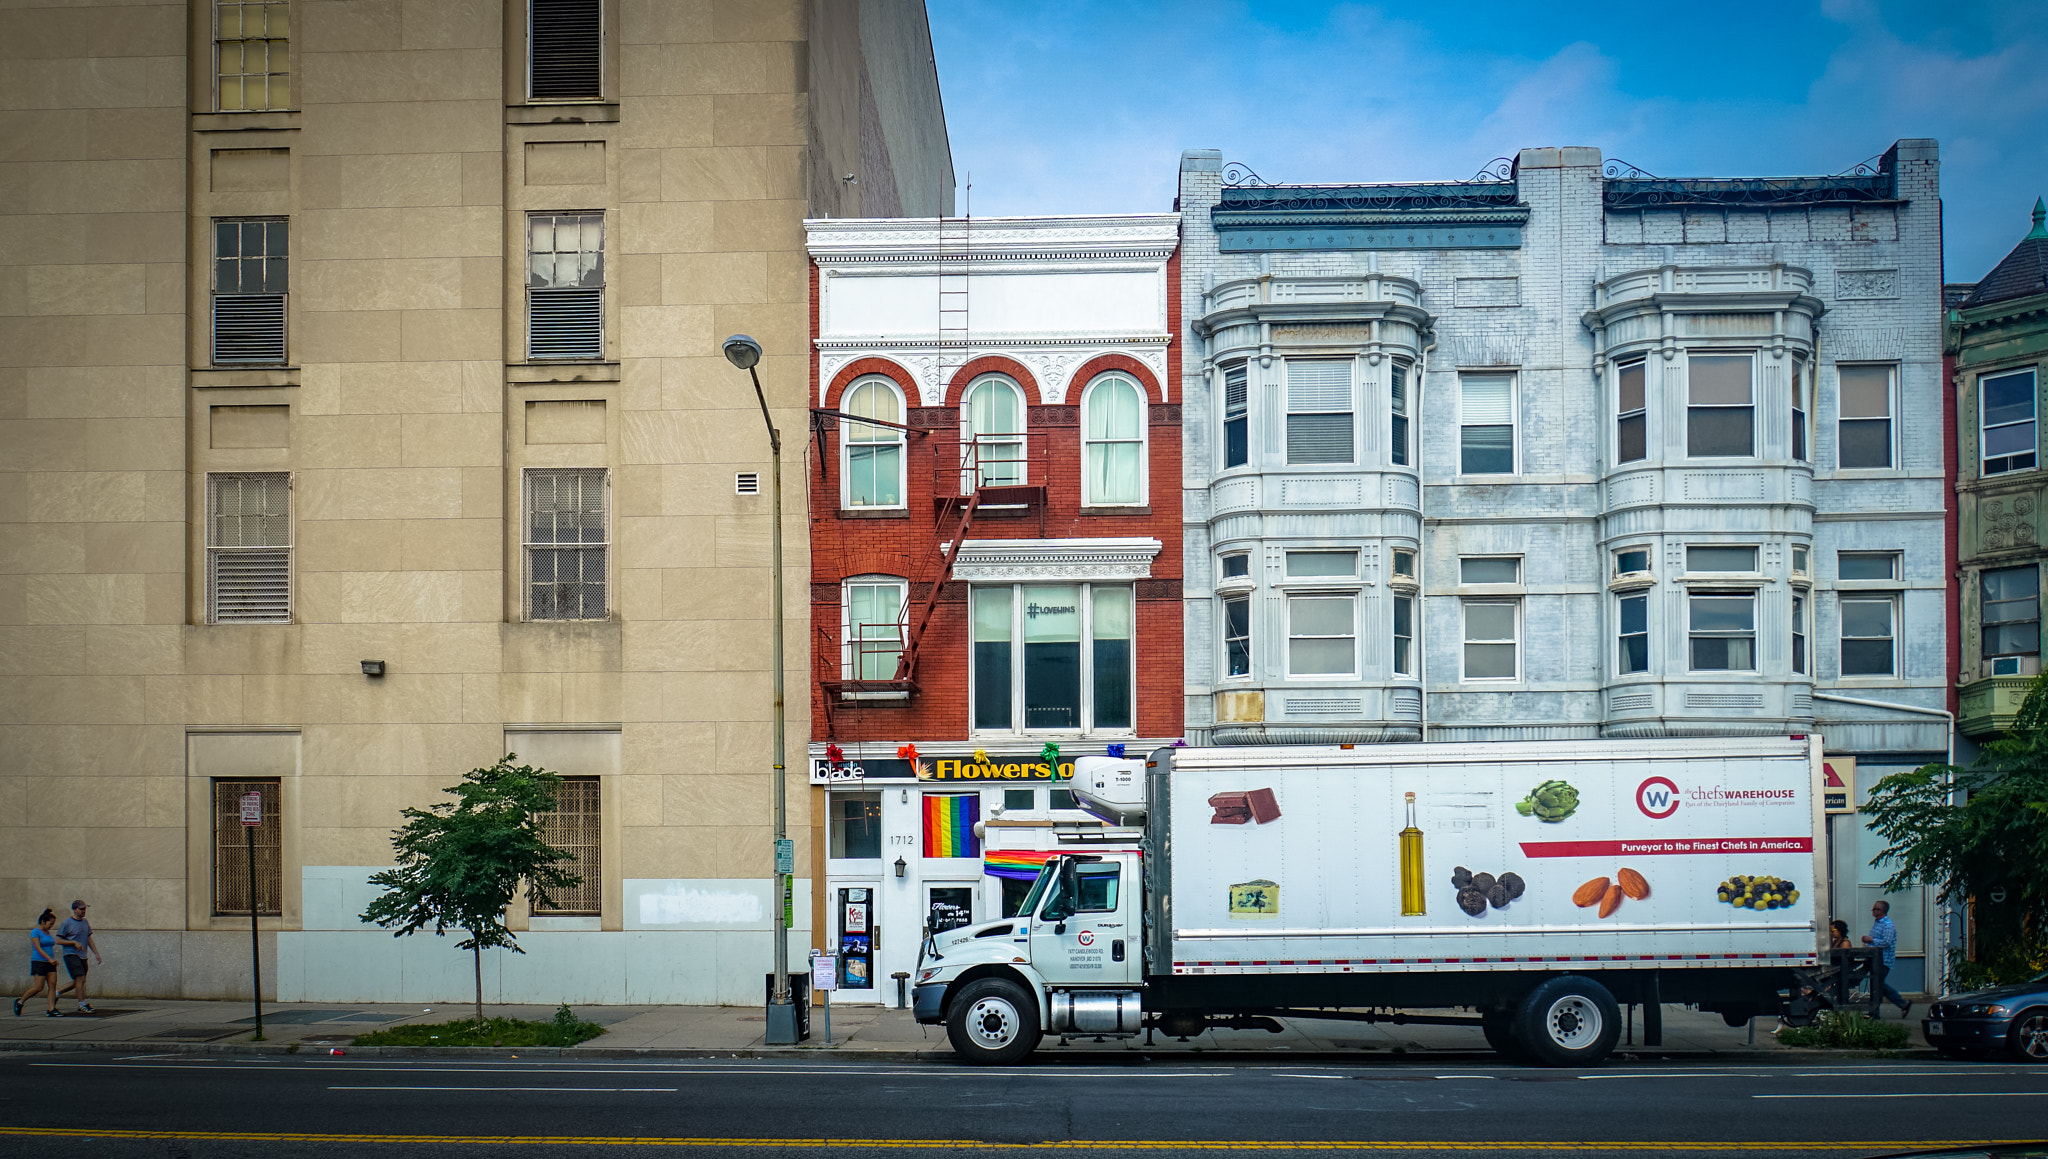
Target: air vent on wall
746, 483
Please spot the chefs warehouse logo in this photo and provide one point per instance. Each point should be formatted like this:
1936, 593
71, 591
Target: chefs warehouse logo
1659, 797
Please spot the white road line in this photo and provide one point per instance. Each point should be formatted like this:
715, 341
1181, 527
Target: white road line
1487, 1077
705, 1072
1677, 1074
1921, 1095
580, 1090
1310, 1076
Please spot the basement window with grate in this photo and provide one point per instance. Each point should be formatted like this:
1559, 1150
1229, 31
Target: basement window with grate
576, 826
232, 886
567, 544
565, 286
249, 549
250, 267
565, 50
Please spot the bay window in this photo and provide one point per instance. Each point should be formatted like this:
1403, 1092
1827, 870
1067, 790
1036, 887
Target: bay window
1723, 631
2010, 615
1720, 415
2005, 417
1631, 415
1322, 635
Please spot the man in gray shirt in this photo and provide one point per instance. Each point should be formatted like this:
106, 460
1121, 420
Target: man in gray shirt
77, 931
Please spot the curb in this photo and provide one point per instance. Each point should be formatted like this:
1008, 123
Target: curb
942, 1054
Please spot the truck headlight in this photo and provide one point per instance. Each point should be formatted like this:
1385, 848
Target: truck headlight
924, 976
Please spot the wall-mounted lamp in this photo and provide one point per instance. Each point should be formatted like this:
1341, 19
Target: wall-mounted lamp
905, 798
900, 867
373, 668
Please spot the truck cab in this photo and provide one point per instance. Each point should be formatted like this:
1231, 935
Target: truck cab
1069, 962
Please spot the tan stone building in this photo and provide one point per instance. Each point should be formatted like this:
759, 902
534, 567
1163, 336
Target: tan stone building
362, 419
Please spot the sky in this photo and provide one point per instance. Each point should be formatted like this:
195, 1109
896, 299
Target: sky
1084, 106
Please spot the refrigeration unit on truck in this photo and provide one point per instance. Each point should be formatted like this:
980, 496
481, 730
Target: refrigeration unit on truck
1533, 886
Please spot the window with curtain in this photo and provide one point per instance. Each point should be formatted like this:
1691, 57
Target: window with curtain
2010, 612
1397, 409
1319, 416
874, 628
1404, 635
2005, 416
1113, 434
1634, 615
1800, 432
1237, 636
252, 41
1723, 631
1322, 635
1491, 639
1055, 657
872, 467
1720, 415
1236, 416
1799, 598
1632, 416
1864, 436
1486, 425
565, 286
992, 450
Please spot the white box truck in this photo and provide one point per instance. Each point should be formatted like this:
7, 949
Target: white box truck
1534, 886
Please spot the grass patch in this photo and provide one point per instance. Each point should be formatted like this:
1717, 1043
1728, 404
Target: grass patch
1847, 1030
565, 1029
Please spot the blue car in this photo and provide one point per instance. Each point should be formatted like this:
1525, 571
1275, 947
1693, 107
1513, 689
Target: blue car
2003, 1019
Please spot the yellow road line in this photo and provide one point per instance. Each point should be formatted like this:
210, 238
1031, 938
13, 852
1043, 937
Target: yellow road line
979, 1145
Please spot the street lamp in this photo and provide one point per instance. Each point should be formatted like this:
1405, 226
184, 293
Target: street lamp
745, 353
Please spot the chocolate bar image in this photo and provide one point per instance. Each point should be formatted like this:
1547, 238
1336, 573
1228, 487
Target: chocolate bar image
1237, 808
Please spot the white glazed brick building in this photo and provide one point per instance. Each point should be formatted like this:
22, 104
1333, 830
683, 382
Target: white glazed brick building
1568, 450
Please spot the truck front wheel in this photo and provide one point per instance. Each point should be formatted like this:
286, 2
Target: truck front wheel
1568, 1021
993, 1022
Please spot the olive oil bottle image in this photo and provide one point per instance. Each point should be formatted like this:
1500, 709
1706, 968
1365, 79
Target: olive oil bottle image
1411, 866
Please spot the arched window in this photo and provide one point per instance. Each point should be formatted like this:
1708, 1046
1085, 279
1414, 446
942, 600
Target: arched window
873, 455
1113, 434
992, 434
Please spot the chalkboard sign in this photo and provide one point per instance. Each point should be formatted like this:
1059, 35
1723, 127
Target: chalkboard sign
951, 907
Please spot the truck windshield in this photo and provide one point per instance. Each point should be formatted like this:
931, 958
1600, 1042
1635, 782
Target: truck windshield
1038, 888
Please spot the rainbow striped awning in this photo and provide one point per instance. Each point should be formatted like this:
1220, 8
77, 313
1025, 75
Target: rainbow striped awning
949, 824
1016, 864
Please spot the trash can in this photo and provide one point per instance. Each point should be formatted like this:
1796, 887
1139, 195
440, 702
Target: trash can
800, 995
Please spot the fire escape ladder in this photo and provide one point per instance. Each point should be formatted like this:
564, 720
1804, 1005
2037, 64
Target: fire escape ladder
955, 243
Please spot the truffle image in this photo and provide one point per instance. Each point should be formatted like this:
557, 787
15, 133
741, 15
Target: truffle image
1478, 891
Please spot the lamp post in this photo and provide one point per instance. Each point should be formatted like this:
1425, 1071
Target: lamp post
745, 353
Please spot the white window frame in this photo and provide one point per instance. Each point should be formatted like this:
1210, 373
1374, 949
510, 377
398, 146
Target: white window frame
1350, 411
1802, 632
601, 289
1801, 392
1142, 440
1692, 633
1466, 640
1890, 418
894, 437
1891, 602
850, 653
217, 553
1516, 560
1018, 727
2024, 663
973, 471
528, 545
1642, 413
1240, 413
1513, 425
1223, 634
1400, 413
1622, 635
1350, 598
2033, 376
1402, 666
1749, 356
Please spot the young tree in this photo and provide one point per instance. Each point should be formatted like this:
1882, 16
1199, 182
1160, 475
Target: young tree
1992, 847
461, 863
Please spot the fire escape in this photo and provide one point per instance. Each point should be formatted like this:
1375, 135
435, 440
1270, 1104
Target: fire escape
873, 663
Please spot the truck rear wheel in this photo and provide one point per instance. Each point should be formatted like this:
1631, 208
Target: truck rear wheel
1568, 1021
993, 1022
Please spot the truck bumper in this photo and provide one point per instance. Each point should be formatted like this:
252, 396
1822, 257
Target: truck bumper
927, 1003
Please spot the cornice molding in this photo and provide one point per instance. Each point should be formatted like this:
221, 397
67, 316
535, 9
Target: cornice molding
1000, 560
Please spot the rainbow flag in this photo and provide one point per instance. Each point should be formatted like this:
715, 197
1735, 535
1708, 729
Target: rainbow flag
949, 824
1016, 864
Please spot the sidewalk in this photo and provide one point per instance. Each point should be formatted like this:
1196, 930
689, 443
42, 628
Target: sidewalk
860, 1031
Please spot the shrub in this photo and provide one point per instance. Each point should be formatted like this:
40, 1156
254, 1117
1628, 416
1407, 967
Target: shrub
1847, 1030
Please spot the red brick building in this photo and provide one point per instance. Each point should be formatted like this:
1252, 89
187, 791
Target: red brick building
994, 468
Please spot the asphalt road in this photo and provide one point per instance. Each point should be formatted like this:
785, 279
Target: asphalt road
194, 1106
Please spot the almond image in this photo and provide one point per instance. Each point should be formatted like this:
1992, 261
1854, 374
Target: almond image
1611, 902
1633, 885
1590, 893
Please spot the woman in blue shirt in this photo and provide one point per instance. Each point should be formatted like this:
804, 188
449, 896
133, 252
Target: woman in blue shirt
42, 964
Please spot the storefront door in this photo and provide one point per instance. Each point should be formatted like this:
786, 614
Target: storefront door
857, 938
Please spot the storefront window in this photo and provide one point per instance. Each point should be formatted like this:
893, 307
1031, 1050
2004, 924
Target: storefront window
856, 825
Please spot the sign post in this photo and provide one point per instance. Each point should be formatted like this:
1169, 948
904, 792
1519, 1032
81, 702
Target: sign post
825, 979
252, 817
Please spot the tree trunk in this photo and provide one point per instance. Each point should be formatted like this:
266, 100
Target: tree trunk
477, 954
